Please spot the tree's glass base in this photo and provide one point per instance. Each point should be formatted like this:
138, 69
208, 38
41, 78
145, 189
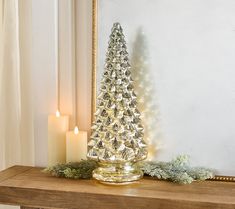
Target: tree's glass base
117, 173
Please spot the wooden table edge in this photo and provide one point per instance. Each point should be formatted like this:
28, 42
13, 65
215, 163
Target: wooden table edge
51, 198
13, 171
94, 196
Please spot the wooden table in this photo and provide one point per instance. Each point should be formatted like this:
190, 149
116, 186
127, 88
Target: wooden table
30, 188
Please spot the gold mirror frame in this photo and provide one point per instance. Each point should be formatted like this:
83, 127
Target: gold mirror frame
94, 72
94, 56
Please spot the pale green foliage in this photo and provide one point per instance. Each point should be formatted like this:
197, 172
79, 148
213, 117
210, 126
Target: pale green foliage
178, 170
76, 170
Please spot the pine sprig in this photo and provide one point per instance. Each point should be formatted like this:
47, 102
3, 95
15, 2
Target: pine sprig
75, 170
177, 170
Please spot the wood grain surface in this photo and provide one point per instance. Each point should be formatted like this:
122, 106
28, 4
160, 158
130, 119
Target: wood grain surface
29, 187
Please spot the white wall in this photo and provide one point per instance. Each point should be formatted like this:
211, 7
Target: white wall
190, 67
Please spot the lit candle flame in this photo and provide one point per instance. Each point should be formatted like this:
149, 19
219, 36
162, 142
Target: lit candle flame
76, 130
57, 113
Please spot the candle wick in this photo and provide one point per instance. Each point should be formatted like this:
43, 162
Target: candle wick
57, 113
76, 130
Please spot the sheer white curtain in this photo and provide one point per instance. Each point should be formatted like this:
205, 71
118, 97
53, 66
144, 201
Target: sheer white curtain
16, 111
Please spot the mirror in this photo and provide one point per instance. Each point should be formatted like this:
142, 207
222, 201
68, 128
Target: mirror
182, 55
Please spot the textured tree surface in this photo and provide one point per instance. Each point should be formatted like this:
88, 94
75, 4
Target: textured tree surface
117, 133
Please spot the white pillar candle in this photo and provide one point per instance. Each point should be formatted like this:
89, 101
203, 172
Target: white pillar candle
58, 125
76, 145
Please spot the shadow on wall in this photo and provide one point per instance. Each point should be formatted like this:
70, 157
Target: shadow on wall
146, 92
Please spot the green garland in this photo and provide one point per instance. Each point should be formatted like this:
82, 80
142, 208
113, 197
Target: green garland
177, 170
76, 170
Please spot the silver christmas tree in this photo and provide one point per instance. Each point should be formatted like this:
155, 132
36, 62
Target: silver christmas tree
117, 134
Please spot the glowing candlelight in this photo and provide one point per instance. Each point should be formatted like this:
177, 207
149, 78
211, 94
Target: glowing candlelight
57, 127
76, 145
76, 130
57, 113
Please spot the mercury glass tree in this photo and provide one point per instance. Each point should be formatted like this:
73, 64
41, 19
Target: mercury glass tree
117, 134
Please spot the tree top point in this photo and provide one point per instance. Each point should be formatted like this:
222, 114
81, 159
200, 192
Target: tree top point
117, 25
